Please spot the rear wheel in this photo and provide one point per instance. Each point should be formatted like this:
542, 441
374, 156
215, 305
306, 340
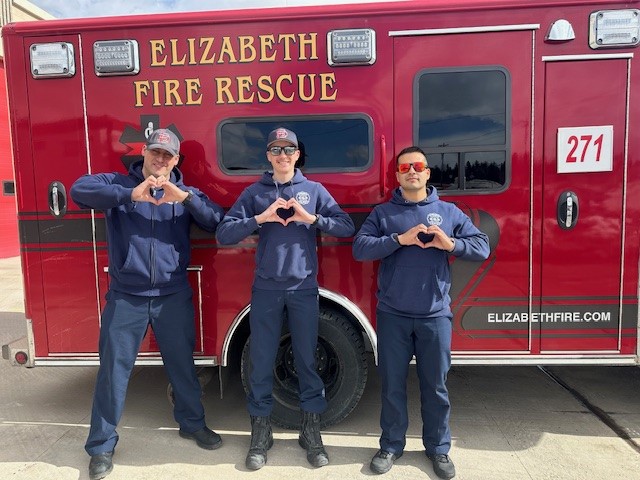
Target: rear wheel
340, 362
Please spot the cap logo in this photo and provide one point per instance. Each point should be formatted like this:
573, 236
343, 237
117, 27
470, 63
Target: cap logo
281, 133
163, 138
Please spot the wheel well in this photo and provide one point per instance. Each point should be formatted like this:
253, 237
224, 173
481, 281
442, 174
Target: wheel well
242, 331
234, 353
330, 305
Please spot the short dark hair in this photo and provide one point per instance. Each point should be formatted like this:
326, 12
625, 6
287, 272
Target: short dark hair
412, 149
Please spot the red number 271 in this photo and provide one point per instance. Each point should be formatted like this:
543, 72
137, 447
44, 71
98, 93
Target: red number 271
575, 142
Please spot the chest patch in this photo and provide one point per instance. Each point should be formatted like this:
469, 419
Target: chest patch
303, 198
434, 219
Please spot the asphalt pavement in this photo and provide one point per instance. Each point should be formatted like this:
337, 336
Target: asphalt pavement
515, 423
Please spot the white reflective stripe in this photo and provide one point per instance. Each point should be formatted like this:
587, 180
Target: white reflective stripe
591, 56
446, 31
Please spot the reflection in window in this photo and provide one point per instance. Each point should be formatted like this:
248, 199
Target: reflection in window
335, 144
444, 170
484, 170
463, 126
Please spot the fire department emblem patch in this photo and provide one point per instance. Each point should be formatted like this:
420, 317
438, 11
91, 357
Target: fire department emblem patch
303, 198
434, 219
164, 138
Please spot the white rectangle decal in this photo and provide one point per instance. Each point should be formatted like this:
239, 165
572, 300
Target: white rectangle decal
585, 149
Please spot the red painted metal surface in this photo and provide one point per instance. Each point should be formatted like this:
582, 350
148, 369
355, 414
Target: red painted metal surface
9, 245
63, 128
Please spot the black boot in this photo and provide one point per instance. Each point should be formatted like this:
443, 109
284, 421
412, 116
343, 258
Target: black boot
261, 441
100, 465
311, 440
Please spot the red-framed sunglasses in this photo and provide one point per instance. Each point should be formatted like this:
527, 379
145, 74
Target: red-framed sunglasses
417, 166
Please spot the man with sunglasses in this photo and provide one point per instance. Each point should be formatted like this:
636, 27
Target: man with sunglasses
148, 214
286, 209
413, 235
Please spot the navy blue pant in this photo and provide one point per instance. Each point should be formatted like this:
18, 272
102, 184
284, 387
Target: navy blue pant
267, 314
399, 338
124, 323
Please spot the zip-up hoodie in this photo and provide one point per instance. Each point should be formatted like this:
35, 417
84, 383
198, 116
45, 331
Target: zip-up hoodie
286, 257
148, 245
413, 281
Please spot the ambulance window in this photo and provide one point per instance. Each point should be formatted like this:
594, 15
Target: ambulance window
335, 144
463, 126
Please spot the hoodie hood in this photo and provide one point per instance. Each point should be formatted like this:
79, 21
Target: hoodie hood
398, 199
285, 190
267, 178
135, 169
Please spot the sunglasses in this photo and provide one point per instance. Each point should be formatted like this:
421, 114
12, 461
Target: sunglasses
417, 166
275, 151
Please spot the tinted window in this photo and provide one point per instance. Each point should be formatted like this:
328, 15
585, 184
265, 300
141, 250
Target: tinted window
463, 126
342, 144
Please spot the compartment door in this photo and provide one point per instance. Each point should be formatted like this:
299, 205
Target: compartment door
583, 195
58, 243
485, 120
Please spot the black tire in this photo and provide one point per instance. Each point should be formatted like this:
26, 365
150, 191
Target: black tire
341, 363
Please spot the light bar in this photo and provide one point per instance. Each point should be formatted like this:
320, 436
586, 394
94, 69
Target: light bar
52, 60
614, 28
351, 47
116, 57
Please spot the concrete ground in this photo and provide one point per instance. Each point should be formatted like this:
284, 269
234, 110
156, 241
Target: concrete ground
514, 423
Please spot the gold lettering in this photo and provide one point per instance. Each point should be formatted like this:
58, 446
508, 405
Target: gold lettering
244, 85
174, 53
312, 85
157, 50
141, 88
327, 81
194, 97
205, 59
311, 43
266, 43
156, 93
279, 91
192, 51
247, 50
234, 49
227, 49
287, 39
265, 85
171, 91
223, 85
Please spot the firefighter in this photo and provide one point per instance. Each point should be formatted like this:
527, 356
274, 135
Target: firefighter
285, 209
413, 236
148, 214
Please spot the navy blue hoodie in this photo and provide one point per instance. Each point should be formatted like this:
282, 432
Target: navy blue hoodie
413, 281
148, 245
286, 257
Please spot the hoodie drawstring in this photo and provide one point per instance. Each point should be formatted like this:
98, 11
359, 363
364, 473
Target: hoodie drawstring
290, 182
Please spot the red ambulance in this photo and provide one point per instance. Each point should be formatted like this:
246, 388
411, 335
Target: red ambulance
528, 112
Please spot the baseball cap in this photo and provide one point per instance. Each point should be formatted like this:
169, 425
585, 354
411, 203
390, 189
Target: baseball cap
164, 139
282, 134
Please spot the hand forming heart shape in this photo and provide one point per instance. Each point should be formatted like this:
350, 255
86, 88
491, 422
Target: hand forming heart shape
425, 237
285, 213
